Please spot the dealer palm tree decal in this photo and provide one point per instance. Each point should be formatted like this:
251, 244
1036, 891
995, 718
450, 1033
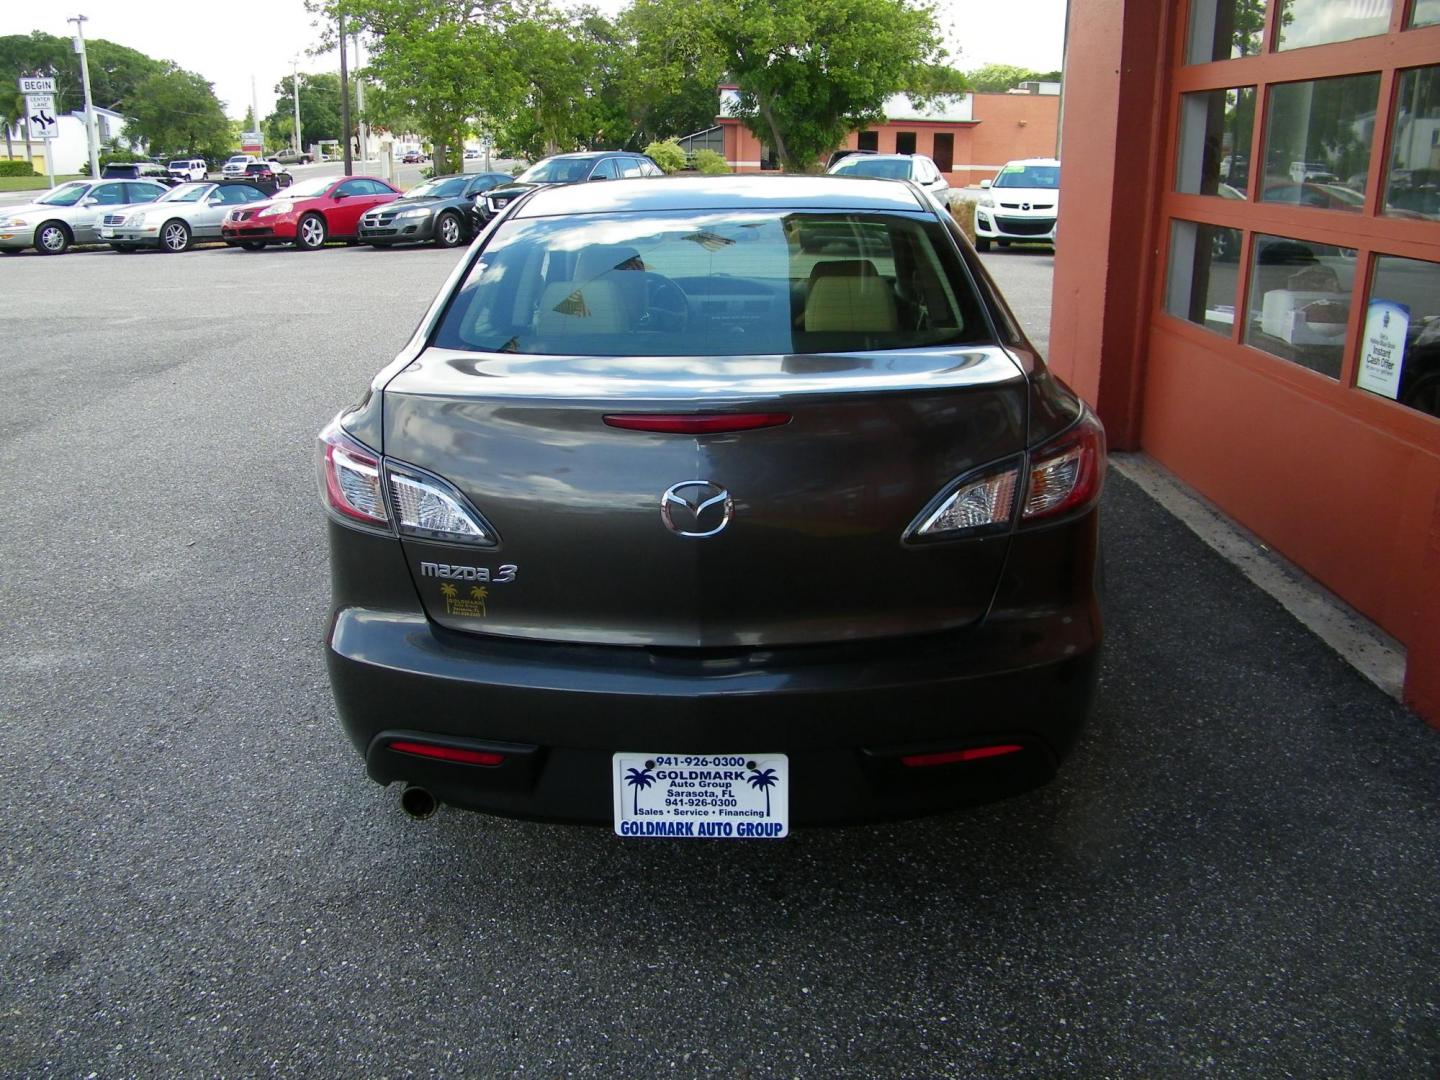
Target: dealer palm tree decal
478, 594
448, 591
638, 779
764, 780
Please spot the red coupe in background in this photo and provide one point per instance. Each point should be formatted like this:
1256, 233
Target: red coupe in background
308, 214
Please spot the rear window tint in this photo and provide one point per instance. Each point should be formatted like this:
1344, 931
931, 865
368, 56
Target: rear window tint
714, 284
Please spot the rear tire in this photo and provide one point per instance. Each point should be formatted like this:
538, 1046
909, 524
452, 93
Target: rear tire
310, 233
982, 243
52, 238
448, 231
175, 237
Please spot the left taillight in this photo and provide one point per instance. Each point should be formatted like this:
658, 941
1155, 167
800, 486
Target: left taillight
350, 481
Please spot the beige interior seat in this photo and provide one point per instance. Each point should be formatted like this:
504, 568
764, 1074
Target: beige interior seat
568, 308
848, 295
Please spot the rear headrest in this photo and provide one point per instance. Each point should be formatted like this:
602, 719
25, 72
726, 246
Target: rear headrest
592, 307
843, 268
597, 261
851, 299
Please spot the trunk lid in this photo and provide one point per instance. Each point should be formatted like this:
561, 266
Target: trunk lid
812, 552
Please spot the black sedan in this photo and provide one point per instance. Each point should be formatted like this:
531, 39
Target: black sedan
667, 519
566, 169
438, 210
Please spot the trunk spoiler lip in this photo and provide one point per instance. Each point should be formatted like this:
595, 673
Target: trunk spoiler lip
640, 384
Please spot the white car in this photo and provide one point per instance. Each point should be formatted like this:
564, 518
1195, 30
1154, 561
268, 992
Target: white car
916, 167
70, 214
235, 165
179, 218
1021, 204
189, 169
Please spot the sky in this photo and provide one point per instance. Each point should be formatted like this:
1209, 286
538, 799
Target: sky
1027, 33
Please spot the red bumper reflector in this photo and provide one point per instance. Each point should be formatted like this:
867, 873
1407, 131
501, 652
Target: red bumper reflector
710, 424
950, 757
449, 753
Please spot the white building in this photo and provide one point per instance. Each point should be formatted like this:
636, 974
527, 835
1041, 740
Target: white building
69, 146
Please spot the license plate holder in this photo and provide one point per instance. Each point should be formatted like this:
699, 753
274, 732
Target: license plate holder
702, 796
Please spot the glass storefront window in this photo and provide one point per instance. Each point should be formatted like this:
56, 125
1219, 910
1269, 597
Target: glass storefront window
1426, 13
1400, 343
1319, 22
1318, 136
1224, 30
1412, 185
1202, 279
1215, 127
1300, 301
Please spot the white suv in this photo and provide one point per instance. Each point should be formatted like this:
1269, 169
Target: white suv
1021, 204
187, 169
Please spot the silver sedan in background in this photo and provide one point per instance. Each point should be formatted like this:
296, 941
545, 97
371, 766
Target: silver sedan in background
70, 214
174, 222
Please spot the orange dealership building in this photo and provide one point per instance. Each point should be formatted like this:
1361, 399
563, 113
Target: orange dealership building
1252, 293
968, 138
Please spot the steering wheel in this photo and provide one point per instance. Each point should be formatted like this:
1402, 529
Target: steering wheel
667, 308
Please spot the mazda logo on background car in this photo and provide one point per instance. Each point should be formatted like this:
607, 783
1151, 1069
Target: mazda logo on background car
696, 508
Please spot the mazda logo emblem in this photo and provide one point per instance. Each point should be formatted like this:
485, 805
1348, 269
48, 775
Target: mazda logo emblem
1025, 206
695, 508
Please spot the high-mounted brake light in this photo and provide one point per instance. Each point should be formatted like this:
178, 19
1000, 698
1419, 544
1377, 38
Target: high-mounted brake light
709, 424
350, 478
1066, 472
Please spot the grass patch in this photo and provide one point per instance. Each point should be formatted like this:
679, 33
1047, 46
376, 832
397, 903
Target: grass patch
33, 183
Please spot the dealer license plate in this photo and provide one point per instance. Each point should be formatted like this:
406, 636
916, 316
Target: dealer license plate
724, 796
107, 233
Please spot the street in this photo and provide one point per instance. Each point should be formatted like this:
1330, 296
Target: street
1235, 875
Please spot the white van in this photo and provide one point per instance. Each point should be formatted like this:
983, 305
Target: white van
1021, 205
189, 169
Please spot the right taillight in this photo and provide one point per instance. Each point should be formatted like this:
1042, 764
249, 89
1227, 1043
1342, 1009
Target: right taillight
1066, 472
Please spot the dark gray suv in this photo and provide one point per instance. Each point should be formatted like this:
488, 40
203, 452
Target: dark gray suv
710, 507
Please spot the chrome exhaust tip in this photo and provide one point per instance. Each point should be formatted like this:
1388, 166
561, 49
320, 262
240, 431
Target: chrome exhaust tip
417, 802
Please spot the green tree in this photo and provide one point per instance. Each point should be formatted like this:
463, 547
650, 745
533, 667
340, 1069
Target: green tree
710, 163
556, 101
997, 78
439, 63
665, 68
115, 70
667, 154
319, 109
811, 71
178, 113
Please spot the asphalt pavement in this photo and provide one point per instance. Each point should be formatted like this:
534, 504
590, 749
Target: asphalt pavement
1235, 875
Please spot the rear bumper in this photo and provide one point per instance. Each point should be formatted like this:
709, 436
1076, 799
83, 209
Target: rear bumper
844, 714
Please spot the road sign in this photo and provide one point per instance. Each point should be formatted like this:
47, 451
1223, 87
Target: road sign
30, 85
40, 108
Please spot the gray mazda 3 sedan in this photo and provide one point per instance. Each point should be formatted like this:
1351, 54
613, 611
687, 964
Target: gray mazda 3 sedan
712, 507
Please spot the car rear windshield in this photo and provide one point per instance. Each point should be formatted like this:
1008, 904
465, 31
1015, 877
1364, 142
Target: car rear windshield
729, 283
884, 168
558, 171
1028, 176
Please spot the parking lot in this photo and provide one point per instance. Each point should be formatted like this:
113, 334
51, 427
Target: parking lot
1235, 875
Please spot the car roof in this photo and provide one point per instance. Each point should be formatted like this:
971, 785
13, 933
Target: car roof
579, 154
1034, 161
743, 192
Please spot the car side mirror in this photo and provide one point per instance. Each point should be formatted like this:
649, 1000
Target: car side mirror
342, 195
92, 201
984, 183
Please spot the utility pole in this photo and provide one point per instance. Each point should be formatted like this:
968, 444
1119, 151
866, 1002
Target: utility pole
255, 111
91, 135
360, 106
295, 93
345, 99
